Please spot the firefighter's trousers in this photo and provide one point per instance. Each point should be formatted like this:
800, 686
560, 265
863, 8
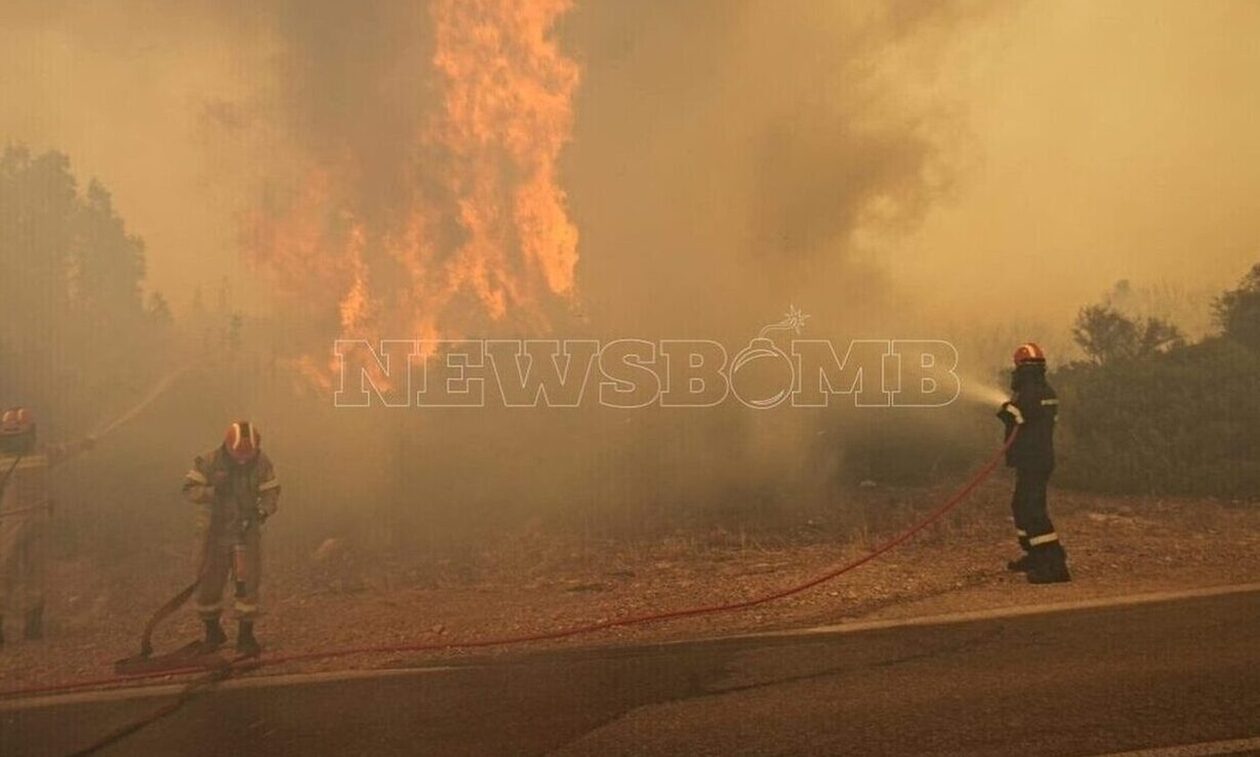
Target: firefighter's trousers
237, 556
1032, 521
22, 560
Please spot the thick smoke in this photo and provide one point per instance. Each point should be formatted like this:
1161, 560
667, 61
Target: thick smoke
894, 169
725, 160
730, 158
424, 170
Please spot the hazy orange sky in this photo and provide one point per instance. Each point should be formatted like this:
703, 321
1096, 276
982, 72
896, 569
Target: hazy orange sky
1090, 141
1116, 140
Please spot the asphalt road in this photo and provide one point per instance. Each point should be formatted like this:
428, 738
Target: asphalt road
1085, 681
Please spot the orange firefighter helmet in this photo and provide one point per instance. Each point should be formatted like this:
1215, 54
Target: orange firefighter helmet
15, 421
242, 441
1029, 352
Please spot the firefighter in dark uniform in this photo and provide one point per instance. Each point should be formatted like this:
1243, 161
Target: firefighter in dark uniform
1032, 409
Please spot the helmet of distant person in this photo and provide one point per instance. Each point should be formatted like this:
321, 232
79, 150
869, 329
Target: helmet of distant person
242, 441
17, 431
16, 421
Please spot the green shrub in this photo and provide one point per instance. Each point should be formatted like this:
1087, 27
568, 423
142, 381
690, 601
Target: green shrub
1185, 421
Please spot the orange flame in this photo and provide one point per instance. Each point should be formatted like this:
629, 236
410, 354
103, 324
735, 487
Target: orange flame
488, 155
508, 101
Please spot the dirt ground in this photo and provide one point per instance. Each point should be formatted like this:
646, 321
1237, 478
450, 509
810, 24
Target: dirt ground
338, 595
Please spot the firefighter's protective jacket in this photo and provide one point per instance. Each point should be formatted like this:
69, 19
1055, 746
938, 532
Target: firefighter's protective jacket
25, 512
1033, 408
26, 486
238, 496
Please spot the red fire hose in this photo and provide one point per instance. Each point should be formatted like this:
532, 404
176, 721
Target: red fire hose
253, 663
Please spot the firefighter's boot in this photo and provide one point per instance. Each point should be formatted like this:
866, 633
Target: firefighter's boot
1049, 566
1022, 565
214, 636
34, 623
246, 644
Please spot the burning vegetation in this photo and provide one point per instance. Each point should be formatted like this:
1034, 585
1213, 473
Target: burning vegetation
478, 234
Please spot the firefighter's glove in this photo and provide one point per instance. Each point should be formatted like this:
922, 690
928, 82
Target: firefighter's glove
1009, 413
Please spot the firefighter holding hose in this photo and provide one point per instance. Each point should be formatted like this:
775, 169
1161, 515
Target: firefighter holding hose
25, 510
1032, 410
236, 487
